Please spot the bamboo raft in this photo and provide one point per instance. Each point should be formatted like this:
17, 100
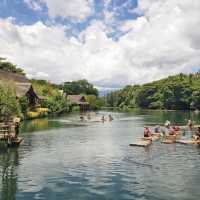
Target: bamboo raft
141, 143
146, 141
188, 142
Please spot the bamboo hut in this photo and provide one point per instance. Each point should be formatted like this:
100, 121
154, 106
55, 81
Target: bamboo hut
22, 86
78, 100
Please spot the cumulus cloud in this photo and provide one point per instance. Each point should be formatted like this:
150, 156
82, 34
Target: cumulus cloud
163, 41
74, 9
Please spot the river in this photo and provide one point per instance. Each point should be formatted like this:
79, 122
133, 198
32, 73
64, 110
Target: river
63, 159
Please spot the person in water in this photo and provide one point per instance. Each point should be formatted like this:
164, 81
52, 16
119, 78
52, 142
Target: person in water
88, 116
190, 124
103, 118
81, 117
110, 118
147, 132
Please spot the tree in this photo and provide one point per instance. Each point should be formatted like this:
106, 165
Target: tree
79, 87
23, 102
8, 102
196, 99
9, 67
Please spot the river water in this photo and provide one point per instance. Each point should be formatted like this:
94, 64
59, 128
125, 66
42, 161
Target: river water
63, 159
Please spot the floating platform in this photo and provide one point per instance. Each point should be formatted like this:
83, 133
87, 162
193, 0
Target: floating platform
141, 143
188, 142
153, 138
168, 141
12, 142
15, 142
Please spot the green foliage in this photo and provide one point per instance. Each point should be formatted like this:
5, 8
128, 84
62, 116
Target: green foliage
56, 103
94, 102
8, 102
9, 67
195, 103
180, 92
79, 87
24, 104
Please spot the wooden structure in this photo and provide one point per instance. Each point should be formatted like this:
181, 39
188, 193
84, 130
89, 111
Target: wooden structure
78, 100
22, 86
7, 136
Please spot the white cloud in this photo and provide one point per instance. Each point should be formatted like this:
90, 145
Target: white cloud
164, 41
74, 9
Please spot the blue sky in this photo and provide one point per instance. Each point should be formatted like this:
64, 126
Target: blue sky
24, 14
109, 42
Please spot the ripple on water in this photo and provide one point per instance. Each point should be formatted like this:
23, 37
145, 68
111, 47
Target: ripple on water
95, 162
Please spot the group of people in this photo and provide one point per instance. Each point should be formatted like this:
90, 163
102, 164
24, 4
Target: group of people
167, 130
196, 136
103, 118
88, 117
171, 130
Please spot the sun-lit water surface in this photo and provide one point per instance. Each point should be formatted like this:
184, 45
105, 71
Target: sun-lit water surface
62, 158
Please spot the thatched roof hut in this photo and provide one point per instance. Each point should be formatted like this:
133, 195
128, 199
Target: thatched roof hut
22, 85
78, 100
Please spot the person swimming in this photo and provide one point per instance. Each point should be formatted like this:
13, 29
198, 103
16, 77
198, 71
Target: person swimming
147, 132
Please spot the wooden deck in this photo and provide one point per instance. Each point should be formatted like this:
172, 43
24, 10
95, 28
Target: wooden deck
7, 136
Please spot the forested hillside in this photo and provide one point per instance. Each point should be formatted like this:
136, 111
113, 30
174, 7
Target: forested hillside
180, 92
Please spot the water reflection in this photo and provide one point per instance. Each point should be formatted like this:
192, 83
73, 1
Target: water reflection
94, 161
9, 161
40, 124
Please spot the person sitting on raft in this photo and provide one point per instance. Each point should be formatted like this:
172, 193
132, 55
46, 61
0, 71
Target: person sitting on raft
147, 132
167, 124
172, 131
157, 129
197, 135
177, 128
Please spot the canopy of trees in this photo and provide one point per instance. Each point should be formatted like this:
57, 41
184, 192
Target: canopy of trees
79, 87
9, 67
180, 92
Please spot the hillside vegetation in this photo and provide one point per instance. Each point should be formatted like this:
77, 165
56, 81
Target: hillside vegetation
180, 92
52, 97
